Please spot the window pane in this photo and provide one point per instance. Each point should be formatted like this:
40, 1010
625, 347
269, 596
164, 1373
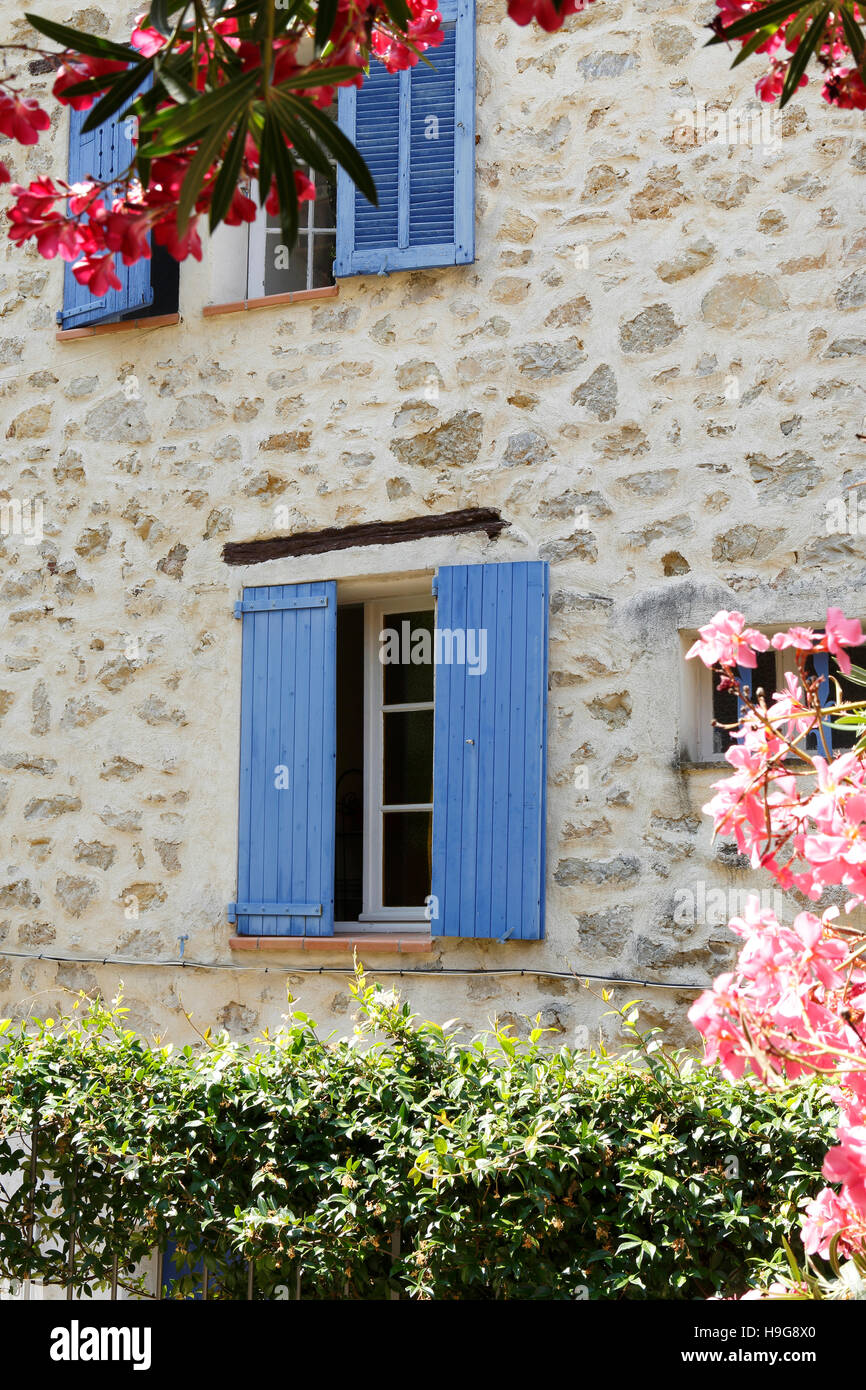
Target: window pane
408, 682
724, 712
763, 677
284, 270
325, 212
324, 253
349, 857
406, 858
408, 771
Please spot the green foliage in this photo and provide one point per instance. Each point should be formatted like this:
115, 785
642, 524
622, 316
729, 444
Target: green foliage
507, 1169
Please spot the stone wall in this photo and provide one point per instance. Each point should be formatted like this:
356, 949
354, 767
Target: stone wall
654, 369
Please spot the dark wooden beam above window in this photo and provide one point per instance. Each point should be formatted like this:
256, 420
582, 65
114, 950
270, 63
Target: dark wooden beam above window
414, 528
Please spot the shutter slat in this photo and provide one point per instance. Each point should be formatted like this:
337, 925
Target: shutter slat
489, 755
286, 835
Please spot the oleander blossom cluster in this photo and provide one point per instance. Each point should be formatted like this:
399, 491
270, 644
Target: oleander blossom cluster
795, 1003
843, 83
90, 223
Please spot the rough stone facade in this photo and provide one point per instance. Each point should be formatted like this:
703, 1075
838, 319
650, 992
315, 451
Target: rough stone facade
654, 369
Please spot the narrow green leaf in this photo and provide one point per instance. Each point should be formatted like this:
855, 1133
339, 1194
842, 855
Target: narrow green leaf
166, 71
325, 16
399, 12
227, 178
114, 99
806, 47
181, 127
208, 150
316, 77
158, 15
340, 147
853, 32
754, 42
771, 16
81, 42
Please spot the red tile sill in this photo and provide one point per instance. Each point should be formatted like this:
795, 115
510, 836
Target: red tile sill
381, 945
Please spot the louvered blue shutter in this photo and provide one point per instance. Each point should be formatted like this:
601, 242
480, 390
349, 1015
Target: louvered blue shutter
416, 130
287, 817
104, 153
490, 752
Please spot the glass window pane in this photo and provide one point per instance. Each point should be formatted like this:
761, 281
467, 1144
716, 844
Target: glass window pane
763, 677
408, 681
406, 856
349, 857
724, 712
284, 270
408, 772
324, 254
325, 212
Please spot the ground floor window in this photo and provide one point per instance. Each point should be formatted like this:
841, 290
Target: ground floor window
385, 712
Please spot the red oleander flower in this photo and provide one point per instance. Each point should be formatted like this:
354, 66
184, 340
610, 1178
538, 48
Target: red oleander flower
97, 273
22, 119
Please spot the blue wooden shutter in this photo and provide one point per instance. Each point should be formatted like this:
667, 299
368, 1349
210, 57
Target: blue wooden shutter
104, 153
490, 754
288, 720
416, 130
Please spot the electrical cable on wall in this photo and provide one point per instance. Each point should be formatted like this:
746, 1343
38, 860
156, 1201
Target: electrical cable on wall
576, 975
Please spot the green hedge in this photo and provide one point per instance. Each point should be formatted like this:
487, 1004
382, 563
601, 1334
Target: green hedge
507, 1169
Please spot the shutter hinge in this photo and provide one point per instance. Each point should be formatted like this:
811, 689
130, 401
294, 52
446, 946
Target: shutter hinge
435, 585
278, 605
236, 910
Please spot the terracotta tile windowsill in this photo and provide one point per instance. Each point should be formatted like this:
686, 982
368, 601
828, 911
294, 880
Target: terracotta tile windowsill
95, 330
270, 301
381, 945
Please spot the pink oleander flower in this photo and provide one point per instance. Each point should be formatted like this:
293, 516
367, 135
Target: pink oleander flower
725, 641
803, 638
842, 632
788, 706
846, 1162
826, 1216
98, 273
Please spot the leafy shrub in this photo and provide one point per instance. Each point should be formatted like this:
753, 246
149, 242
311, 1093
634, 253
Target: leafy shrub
402, 1160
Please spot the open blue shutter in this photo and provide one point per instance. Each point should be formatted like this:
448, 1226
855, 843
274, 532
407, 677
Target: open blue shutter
416, 130
490, 753
288, 736
104, 153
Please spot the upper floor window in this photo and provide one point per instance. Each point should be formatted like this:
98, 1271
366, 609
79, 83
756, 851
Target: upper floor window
416, 131
273, 267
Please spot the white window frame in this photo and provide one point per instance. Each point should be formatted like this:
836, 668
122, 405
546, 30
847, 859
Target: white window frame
376, 612
257, 243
